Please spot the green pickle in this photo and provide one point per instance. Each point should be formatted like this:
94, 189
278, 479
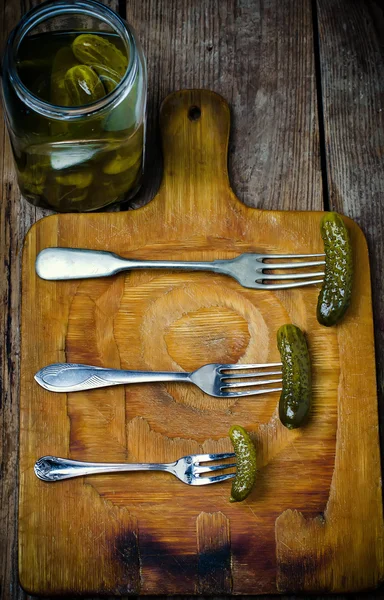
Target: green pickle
33, 175
120, 164
81, 164
32, 179
245, 463
335, 294
64, 60
79, 180
83, 85
117, 183
295, 399
92, 50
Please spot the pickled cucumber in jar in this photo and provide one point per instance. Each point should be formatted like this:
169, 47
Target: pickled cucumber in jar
83, 85
109, 78
33, 177
63, 61
91, 160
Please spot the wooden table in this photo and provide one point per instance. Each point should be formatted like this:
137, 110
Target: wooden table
304, 80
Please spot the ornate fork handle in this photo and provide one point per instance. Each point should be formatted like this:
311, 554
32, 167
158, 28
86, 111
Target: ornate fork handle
53, 468
67, 377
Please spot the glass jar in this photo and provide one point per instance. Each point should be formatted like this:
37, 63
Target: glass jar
77, 146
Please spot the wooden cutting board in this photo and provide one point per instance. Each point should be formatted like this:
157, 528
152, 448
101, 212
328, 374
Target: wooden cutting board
314, 520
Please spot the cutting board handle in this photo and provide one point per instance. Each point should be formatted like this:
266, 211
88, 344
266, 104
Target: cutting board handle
195, 130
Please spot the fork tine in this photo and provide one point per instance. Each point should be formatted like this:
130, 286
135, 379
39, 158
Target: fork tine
213, 468
285, 286
217, 478
270, 256
250, 366
249, 384
255, 392
198, 458
207, 480
291, 275
224, 377
291, 265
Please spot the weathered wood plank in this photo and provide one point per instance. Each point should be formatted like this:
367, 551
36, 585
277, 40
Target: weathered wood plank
352, 72
259, 57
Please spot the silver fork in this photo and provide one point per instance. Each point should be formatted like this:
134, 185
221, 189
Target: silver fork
248, 269
213, 379
187, 468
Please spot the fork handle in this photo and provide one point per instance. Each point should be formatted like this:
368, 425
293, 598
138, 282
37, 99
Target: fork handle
56, 264
53, 468
67, 377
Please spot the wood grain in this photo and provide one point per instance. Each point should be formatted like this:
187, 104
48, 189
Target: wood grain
353, 92
214, 553
330, 468
259, 56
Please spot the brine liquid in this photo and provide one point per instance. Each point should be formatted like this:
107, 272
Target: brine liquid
76, 165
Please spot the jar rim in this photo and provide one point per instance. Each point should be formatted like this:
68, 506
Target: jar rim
53, 8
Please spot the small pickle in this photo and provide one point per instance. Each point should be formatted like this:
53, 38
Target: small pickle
32, 181
83, 85
120, 163
246, 463
295, 399
335, 294
119, 184
63, 61
93, 50
79, 180
33, 177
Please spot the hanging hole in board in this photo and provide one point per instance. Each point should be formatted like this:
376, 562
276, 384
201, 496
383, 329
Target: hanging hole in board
194, 113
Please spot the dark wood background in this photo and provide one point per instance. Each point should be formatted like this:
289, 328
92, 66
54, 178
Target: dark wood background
305, 82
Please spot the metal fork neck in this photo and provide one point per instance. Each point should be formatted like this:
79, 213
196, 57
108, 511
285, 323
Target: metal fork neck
174, 265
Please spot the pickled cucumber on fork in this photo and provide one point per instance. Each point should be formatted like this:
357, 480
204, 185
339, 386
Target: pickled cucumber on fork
335, 294
295, 399
245, 463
